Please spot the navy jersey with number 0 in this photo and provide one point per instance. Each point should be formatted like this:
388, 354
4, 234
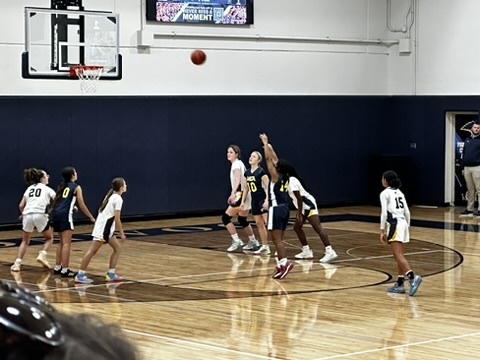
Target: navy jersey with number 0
254, 183
64, 209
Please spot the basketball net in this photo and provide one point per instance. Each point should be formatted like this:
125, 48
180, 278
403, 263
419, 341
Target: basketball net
88, 76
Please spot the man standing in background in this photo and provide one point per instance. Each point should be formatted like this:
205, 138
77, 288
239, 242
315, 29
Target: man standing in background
471, 169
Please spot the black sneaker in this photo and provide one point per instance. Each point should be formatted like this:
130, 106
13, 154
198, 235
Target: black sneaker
57, 272
68, 274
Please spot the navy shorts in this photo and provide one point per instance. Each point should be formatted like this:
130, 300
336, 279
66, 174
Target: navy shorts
257, 205
62, 225
278, 217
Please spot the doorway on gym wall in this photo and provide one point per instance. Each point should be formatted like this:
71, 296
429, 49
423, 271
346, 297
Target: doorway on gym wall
458, 126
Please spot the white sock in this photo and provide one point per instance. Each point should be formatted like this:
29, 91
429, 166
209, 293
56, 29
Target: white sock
111, 271
328, 248
81, 272
18, 261
235, 238
306, 247
42, 252
282, 262
57, 267
252, 238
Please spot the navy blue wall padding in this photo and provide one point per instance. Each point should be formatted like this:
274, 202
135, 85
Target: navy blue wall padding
172, 150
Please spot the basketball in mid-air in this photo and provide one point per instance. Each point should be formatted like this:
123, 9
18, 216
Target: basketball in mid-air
198, 57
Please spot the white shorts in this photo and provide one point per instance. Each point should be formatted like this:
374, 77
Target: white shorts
398, 231
32, 221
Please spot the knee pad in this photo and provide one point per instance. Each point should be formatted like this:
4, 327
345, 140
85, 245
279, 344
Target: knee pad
226, 219
242, 220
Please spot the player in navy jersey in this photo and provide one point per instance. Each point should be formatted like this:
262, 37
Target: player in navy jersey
68, 193
103, 232
238, 183
33, 207
278, 212
257, 186
394, 223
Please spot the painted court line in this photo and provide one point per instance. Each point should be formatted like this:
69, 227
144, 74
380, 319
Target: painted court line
197, 344
400, 346
385, 256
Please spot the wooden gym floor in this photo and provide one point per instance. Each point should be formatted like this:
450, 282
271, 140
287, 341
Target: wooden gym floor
185, 297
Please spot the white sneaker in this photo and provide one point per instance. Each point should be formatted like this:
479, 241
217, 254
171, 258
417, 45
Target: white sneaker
42, 259
305, 254
252, 245
329, 256
263, 251
16, 266
235, 246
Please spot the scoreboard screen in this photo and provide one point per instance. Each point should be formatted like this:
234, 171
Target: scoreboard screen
222, 12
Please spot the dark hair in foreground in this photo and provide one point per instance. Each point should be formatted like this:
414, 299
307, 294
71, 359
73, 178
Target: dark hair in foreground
87, 336
32, 329
392, 179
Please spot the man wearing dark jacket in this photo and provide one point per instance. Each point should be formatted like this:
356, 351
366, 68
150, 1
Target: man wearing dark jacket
471, 169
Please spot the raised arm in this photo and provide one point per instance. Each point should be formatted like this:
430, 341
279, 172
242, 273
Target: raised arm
82, 205
270, 157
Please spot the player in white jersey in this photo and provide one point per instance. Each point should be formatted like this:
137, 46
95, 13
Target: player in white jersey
103, 232
33, 207
238, 183
307, 210
394, 224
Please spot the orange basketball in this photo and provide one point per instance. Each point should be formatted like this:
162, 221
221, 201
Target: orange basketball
198, 57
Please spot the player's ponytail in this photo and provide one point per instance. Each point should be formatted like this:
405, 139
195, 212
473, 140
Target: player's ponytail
117, 183
67, 174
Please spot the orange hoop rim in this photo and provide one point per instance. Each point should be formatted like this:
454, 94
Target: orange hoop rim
74, 68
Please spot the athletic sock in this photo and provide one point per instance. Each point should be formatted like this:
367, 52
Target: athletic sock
235, 237
252, 238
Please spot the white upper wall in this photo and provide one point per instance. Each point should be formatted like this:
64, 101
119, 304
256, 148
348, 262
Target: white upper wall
440, 53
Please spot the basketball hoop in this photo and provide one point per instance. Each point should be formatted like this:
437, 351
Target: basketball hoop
88, 76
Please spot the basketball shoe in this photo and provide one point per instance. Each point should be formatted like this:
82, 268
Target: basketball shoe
414, 284
83, 279
113, 277
330, 255
235, 245
305, 254
263, 251
42, 259
397, 289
